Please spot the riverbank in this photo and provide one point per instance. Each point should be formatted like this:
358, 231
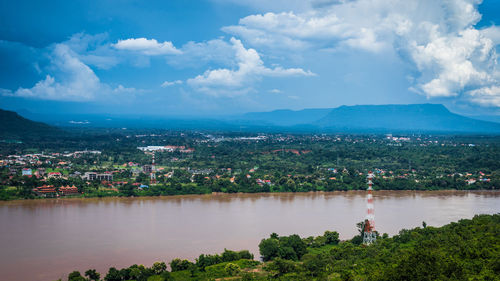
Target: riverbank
145, 193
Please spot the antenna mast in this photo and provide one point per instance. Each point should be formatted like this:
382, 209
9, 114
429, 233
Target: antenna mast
369, 235
153, 170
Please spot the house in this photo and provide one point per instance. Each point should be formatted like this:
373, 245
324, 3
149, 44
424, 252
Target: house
55, 175
68, 190
27, 172
95, 176
45, 191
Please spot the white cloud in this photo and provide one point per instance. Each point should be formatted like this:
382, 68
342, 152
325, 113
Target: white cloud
147, 46
452, 57
168, 83
72, 80
93, 50
275, 91
79, 83
122, 89
250, 67
487, 96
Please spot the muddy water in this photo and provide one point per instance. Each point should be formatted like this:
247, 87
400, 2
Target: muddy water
47, 239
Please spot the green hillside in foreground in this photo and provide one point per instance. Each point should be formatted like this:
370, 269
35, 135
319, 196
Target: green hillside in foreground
14, 126
463, 250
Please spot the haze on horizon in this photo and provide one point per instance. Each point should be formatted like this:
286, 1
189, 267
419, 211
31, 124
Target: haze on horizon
211, 57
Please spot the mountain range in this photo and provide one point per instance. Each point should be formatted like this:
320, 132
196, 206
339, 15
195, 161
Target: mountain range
377, 118
411, 118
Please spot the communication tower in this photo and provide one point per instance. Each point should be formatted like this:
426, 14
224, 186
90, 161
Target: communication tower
369, 235
153, 170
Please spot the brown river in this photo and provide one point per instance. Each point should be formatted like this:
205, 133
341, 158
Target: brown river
47, 239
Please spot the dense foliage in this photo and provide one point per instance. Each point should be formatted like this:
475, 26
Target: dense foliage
463, 250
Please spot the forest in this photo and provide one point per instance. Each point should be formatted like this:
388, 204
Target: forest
465, 250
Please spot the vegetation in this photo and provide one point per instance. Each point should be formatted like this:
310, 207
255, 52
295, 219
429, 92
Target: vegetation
463, 250
240, 162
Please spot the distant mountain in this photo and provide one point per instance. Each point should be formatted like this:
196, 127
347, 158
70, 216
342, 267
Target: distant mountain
14, 126
412, 118
286, 117
408, 118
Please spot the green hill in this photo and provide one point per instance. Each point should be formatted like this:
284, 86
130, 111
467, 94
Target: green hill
15, 126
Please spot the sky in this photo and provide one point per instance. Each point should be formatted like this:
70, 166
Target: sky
220, 57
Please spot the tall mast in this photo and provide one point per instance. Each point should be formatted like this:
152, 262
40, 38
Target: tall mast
153, 170
369, 235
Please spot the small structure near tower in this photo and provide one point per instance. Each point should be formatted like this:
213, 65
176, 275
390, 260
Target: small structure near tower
369, 235
153, 170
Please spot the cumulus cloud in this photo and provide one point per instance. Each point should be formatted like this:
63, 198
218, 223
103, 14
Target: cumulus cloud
452, 57
79, 82
168, 83
486, 96
250, 67
70, 80
146, 46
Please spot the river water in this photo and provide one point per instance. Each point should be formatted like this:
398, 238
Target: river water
47, 239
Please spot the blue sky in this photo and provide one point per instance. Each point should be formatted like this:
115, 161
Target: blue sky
212, 57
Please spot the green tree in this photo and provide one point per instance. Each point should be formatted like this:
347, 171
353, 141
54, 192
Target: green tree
332, 237
92, 275
269, 248
179, 265
159, 267
76, 276
232, 269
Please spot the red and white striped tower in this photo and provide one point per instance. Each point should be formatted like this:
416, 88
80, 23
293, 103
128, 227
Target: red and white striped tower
369, 235
153, 170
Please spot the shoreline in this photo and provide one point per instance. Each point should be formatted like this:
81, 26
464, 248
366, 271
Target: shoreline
246, 194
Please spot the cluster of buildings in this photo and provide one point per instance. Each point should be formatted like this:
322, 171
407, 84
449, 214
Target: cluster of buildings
51, 191
167, 148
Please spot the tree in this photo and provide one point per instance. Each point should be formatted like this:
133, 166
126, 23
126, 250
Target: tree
113, 275
269, 248
75, 276
296, 243
332, 237
232, 269
316, 264
281, 266
159, 267
93, 275
179, 265
229, 255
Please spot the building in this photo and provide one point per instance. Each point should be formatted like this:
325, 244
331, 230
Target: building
55, 175
27, 172
90, 176
45, 191
147, 169
95, 176
68, 190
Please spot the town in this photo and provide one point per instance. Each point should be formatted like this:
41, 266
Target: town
173, 163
